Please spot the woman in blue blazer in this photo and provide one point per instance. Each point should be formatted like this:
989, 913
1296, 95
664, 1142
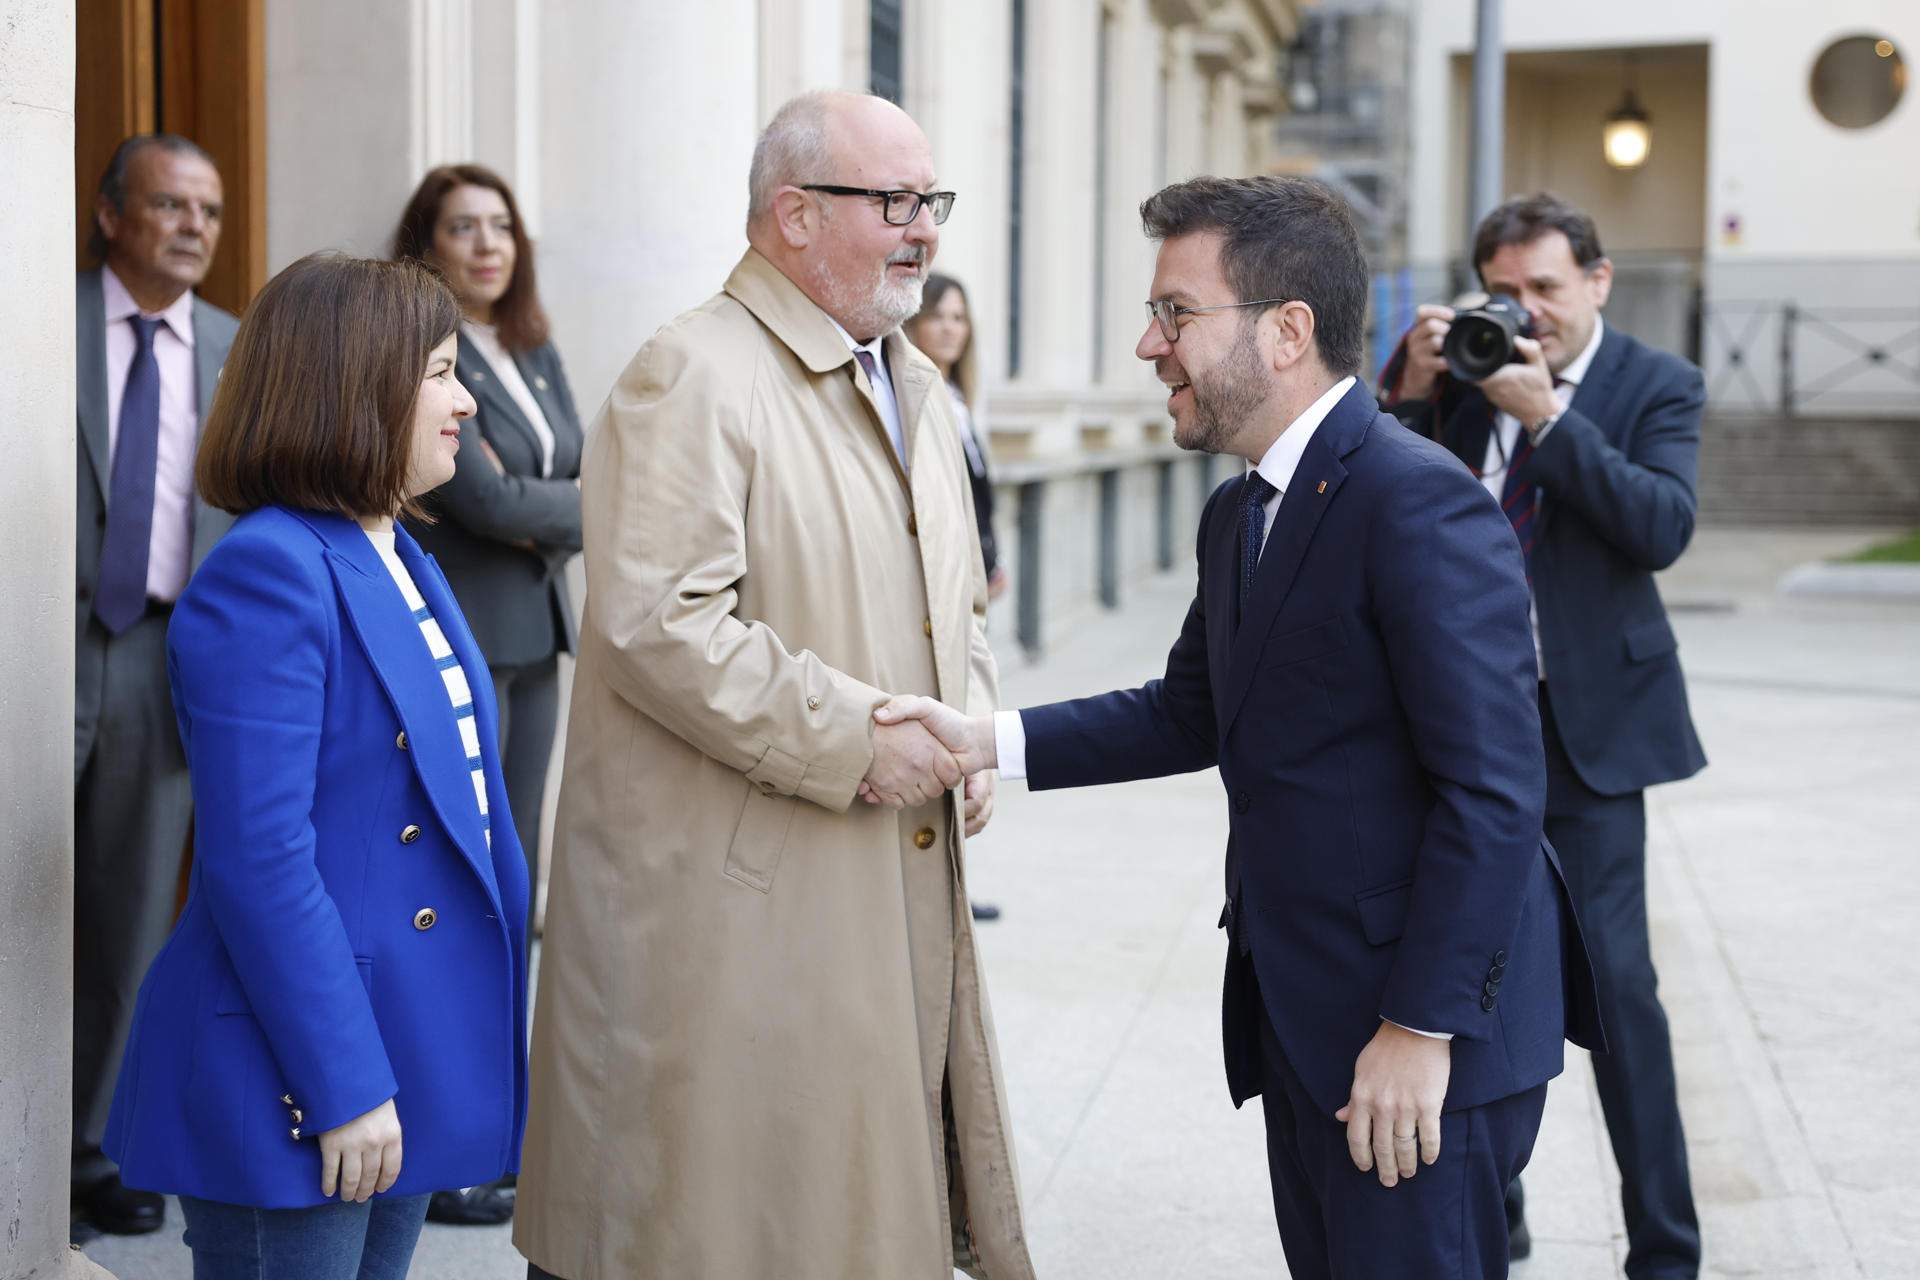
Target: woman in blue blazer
335, 1028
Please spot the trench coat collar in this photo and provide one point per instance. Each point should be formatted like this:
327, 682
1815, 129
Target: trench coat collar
795, 319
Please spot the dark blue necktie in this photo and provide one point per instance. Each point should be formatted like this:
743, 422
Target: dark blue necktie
120, 596
1253, 530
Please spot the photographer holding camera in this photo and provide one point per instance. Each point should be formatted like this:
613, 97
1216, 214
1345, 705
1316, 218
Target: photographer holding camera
1590, 442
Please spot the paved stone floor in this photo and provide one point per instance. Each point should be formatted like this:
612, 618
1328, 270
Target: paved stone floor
1783, 894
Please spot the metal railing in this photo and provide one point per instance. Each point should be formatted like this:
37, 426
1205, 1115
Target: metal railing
1784, 357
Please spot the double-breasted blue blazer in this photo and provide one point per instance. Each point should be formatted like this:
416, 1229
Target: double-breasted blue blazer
348, 937
1374, 716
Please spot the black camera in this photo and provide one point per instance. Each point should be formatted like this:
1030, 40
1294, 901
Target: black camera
1481, 338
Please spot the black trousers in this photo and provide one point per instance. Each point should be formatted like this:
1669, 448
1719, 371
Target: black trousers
528, 696
1602, 842
133, 807
1447, 1222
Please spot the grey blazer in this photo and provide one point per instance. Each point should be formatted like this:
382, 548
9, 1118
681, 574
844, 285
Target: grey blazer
213, 331
504, 540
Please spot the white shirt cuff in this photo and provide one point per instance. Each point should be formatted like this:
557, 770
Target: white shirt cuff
1431, 1035
1010, 745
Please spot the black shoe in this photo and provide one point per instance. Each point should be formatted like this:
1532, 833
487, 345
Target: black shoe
81, 1232
984, 910
112, 1206
1519, 1240
487, 1205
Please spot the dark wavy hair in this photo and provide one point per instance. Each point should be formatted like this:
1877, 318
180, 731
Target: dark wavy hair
518, 315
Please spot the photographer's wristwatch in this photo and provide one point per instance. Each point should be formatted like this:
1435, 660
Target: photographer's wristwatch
1538, 427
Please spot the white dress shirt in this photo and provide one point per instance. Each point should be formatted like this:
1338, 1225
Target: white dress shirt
170, 544
969, 436
1505, 438
882, 388
486, 340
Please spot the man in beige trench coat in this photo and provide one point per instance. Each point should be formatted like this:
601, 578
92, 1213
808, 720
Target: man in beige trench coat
762, 1048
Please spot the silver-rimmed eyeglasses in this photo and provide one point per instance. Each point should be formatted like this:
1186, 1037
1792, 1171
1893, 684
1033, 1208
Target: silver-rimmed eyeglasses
1167, 314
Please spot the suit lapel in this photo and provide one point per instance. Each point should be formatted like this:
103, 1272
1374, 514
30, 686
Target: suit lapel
208, 357
1221, 587
484, 381
398, 655
90, 346
1466, 432
1315, 482
912, 379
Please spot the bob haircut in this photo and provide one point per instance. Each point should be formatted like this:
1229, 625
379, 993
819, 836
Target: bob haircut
518, 316
314, 408
966, 372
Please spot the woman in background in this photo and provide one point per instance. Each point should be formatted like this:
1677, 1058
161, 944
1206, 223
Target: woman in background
509, 520
943, 330
349, 972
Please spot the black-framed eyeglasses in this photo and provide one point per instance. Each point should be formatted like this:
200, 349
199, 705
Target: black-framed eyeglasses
1167, 314
899, 208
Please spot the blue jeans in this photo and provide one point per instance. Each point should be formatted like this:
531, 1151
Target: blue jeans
334, 1241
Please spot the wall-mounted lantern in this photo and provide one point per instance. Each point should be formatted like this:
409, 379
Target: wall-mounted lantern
1627, 138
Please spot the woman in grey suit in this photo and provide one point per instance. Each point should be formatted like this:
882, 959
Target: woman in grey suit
505, 526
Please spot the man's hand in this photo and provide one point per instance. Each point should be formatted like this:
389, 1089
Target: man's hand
1393, 1110
1523, 390
970, 738
910, 766
979, 806
361, 1156
997, 583
1424, 366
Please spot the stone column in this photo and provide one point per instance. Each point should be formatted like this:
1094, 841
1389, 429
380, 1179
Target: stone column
1059, 200
36, 644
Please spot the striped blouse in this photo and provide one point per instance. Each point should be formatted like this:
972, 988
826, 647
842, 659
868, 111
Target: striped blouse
459, 692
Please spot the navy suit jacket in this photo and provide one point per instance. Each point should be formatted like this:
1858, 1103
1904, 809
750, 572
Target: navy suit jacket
1375, 722
333, 801
1616, 475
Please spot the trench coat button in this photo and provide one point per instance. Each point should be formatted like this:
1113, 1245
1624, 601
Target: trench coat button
913, 526
1242, 802
927, 626
400, 740
923, 838
813, 704
1486, 1002
539, 382
424, 918
409, 833
766, 787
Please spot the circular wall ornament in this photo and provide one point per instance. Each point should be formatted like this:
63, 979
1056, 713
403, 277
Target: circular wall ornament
1858, 80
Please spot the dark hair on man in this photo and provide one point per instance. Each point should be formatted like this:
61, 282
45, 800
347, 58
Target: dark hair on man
1290, 238
315, 402
113, 181
518, 315
1527, 218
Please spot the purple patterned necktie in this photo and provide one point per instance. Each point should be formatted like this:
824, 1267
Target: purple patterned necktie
120, 596
1253, 530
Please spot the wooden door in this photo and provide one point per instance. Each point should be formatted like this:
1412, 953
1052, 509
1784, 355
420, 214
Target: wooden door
192, 67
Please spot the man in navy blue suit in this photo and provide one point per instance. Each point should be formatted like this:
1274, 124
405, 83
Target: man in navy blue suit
1402, 963
1592, 444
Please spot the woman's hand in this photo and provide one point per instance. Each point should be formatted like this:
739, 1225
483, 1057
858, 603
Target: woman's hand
362, 1156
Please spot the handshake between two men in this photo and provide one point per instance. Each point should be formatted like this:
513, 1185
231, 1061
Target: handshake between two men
923, 747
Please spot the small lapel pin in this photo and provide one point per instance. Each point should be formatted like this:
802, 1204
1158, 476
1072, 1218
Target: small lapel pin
1322, 488
479, 376
540, 382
